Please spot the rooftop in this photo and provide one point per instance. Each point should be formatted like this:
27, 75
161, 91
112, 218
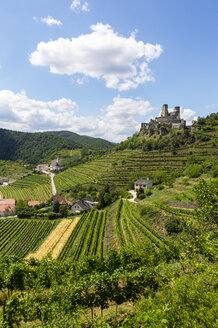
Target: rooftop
143, 181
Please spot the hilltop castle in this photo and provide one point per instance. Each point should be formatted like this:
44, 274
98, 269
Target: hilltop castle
163, 124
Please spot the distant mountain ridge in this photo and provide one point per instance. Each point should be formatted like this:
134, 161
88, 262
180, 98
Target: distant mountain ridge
85, 141
41, 146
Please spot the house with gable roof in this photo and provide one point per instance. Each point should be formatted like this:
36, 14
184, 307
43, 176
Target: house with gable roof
142, 183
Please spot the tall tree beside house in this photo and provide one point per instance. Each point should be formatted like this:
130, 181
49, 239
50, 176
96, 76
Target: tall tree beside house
56, 206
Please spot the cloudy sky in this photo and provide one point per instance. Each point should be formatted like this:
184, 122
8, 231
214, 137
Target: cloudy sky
101, 67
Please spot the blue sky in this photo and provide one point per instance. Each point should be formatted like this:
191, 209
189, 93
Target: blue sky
100, 67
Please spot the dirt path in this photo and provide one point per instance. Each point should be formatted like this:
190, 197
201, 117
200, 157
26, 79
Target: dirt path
56, 240
53, 185
134, 195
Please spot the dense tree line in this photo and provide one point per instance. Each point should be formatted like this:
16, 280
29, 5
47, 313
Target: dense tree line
84, 141
31, 147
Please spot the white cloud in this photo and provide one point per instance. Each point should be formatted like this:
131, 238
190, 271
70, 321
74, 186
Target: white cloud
85, 6
122, 62
116, 123
81, 80
120, 119
78, 5
189, 115
51, 21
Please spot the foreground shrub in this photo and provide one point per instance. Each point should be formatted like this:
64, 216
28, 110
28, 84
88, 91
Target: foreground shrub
173, 225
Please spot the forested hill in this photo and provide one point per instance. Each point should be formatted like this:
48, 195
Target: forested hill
31, 147
85, 141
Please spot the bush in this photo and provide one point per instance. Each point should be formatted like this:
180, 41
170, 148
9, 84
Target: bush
140, 193
173, 225
148, 210
148, 192
194, 171
53, 216
160, 187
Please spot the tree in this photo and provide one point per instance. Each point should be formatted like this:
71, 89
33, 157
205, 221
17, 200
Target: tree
55, 207
207, 198
173, 225
140, 193
117, 289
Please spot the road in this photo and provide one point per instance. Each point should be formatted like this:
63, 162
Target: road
134, 195
53, 188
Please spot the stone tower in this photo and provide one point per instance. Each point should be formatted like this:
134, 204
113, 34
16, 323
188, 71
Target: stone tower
164, 111
177, 112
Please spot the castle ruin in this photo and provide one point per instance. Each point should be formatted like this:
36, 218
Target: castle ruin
165, 123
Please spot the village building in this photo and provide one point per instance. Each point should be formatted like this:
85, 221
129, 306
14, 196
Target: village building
165, 123
55, 164
35, 202
83, 205
7, 204
61, 200
42, 167
142, 183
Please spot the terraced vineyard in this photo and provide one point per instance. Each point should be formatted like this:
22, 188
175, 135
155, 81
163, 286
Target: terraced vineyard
131, 228
19, 237
124, 166
128, 165
87, 238
72, 177
33, 187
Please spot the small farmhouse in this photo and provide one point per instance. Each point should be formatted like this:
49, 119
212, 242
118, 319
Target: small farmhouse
7, 204
82, 205
143, 184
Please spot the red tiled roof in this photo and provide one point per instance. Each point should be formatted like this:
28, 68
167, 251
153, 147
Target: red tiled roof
35, 202
9, 201
7, 204
61, 199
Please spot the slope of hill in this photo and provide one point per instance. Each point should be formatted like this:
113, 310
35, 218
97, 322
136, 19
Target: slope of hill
204, 129
31, 147
85, 141
155, 251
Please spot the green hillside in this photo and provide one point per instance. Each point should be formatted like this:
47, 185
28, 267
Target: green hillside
121, 167
84, 141
131, 265
160, 158
31, 147
149, 263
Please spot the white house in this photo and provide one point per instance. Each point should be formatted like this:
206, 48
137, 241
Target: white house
143, 184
